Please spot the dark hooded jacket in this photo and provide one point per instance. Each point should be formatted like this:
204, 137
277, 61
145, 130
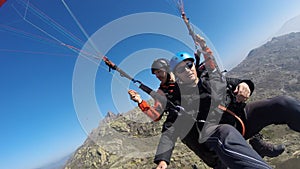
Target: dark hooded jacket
198, 106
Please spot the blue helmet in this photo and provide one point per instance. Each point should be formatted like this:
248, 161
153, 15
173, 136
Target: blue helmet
178, 58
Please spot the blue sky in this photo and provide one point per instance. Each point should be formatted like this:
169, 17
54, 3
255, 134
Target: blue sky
39, 119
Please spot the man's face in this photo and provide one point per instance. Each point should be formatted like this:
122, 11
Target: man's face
186, 72
161, 75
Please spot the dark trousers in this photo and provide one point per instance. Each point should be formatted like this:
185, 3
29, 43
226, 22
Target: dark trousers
228, 147
232, 149
278, 110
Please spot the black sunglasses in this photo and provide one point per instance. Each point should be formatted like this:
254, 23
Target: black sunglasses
181, 69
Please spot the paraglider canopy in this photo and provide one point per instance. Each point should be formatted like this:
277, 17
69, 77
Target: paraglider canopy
2, 2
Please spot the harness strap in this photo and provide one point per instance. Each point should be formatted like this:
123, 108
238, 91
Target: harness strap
234, 115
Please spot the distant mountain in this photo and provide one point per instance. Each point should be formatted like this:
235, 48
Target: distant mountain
292, 25
130, 140
59, 164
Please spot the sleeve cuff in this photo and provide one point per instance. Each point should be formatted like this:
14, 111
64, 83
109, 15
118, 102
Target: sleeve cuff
144, 106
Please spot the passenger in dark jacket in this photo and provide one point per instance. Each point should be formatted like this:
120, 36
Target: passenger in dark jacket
203, 127
190, 133
197, 120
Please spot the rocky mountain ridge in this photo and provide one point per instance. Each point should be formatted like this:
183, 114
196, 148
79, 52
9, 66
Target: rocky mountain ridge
273, 67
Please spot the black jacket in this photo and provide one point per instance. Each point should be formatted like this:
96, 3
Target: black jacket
197, 103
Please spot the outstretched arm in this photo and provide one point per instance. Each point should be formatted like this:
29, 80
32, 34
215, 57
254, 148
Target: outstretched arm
153, 112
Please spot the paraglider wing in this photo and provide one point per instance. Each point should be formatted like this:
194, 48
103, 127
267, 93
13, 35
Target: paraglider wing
2, 2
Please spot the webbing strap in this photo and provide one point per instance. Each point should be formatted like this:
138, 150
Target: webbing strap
234, 115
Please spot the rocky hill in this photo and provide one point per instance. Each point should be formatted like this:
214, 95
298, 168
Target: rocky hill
129, 140
273, 67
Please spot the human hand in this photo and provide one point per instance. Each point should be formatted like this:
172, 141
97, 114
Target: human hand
134, 96
242, 92
200, 41
162, 165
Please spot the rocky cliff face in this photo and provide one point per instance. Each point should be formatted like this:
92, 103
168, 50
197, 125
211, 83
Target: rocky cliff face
130, 140
273, 67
